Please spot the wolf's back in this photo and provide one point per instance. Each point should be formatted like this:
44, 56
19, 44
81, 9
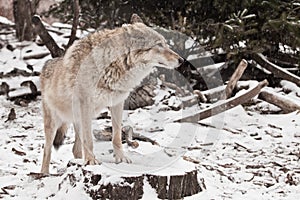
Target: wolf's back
48, 71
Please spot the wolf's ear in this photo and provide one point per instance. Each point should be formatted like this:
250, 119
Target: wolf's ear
135, 19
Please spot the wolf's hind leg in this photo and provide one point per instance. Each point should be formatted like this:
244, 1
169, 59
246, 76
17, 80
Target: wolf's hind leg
51, 125
60, 135
77, 147
116, 114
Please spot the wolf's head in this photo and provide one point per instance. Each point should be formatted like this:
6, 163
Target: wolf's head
149, 47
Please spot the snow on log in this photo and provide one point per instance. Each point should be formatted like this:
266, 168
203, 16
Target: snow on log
235, 77
289, 87
279, 100
224, 105
23, 95
214, 94
276, 70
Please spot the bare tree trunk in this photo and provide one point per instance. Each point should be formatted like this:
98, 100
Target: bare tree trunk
75, 22
22, 13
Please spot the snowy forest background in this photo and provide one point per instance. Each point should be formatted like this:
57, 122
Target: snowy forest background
263, 26
249, 152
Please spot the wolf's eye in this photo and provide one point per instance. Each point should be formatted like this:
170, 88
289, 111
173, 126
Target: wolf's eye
160, 45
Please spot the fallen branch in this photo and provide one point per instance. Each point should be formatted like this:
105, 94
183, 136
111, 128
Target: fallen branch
36, 56
127, 135
282, 102
235, 77
40, 29
283, 63
224, 105
221, 173
38, 176
192, 160
276, 70
20, 153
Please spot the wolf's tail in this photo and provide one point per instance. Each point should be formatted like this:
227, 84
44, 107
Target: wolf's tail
60, 136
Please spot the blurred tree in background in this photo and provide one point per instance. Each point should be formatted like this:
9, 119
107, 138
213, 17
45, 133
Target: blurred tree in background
23, 11
234, 26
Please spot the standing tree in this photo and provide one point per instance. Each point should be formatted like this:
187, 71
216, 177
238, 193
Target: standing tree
23, 11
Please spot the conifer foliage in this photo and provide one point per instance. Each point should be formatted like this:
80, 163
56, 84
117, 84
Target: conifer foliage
233, 25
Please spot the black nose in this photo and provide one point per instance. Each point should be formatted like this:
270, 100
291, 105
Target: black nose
181, 60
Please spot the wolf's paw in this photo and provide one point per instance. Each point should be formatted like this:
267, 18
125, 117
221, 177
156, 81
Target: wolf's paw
121, 158
92, 162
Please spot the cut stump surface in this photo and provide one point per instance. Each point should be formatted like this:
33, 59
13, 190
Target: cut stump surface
106, 182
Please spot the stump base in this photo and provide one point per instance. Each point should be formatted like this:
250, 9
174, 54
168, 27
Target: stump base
105, 182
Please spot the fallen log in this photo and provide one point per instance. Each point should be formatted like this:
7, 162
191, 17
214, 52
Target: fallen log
24, 95
281, 101
276, 70
224, 105
235, 77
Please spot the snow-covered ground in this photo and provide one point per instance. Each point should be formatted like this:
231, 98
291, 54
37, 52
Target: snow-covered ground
242, 154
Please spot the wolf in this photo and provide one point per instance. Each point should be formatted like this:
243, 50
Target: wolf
96, 72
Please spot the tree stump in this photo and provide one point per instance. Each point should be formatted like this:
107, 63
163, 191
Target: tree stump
102, 183
124, 181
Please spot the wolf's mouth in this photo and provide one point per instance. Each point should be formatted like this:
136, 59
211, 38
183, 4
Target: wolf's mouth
160, 63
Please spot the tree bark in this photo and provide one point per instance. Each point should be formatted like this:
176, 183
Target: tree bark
22, 13
132, 187
75, 22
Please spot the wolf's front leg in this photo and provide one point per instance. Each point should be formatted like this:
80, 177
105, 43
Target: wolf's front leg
116, 115
83, 126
